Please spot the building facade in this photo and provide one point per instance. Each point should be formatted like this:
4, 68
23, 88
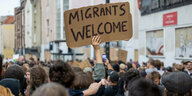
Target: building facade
20, 29
36, 28
165, 31
48, 26
2, 18
8, 37
28, 24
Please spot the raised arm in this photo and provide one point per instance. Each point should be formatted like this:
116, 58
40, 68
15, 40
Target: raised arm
96, 40
99, 69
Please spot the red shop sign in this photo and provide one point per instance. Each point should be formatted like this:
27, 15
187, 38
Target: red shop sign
170, 19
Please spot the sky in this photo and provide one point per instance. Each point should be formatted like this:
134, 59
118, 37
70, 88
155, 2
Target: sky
7, 7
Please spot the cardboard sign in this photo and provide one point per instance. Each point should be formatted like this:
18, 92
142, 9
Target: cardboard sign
47, 55
85, 64
113, 54
113, 22
75, 64
29, 56
122, 55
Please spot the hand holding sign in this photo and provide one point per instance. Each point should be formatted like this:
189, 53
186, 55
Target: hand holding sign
112, 22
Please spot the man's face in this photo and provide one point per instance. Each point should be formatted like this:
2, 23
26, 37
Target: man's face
189, 66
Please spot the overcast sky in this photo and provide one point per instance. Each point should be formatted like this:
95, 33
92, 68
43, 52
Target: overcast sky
7, 7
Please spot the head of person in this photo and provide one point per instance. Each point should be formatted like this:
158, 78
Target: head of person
62, 73
122, 67
5, 91
80, 81
77, 69
151, 63
158, 64
155, 77
143, 87
184, 63
115, 67
113, 77
131, 75
177, 84
28, 76
16, 72
51, 89
25, 67
189, 66
178, 67
169, 69
129, 65
38, 77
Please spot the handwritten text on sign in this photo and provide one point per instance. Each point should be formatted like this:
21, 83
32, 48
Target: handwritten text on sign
112, 22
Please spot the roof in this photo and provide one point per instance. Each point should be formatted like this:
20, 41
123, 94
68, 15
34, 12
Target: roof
9, 20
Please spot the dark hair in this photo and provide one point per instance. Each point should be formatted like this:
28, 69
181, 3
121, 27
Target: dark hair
143, 87
131, 75
38, 77
83, 80
51, 89
129, 65
158, 64
169, 69
62, 73
16, 72
115, 67
114, 77
152, 62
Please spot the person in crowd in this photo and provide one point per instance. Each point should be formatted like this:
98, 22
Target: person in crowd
155, 77
151, 66
177, 84
169, 69
122, 67
14, 79
131, 75
51, 89
184, 63
63, 74
129, 66
143, 87
80, 82
178, 67
112, 86
28, 77
189, 68
158, 65
143, 66
38, 77
12, 84
5, 91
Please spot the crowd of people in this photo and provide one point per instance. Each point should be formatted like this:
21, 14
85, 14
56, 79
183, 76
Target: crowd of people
104, 78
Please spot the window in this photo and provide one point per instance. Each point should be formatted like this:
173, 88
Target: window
47, 27
155, 43
48, 2
183, 43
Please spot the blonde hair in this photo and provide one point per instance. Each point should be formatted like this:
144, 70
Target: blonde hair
5, 91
